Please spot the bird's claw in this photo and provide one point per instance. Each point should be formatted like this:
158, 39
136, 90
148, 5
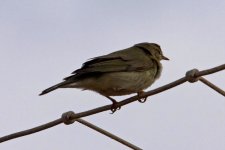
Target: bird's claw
115, 107
142, 100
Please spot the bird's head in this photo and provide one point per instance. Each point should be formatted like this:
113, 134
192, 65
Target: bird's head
152, 49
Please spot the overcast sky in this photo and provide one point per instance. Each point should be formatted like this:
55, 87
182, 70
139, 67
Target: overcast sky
43, 41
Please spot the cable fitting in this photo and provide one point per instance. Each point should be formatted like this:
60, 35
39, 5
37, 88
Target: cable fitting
67, 117
191, 75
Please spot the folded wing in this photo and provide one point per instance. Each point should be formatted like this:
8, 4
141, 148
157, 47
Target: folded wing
114, 62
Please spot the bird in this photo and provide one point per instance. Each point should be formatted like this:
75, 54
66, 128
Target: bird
122, 72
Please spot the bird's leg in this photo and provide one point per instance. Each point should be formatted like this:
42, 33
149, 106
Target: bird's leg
114, 107
141, 100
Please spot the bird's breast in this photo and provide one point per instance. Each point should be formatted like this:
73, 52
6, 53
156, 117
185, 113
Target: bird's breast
120, 83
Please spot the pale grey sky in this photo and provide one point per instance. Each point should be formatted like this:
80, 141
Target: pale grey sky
42, 41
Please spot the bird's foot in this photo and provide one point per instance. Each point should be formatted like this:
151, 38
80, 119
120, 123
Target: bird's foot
114, 106
141, 100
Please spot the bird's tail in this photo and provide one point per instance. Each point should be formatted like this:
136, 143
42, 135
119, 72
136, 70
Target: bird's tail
54, 87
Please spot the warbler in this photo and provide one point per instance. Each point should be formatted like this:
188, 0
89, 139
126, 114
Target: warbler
122, 72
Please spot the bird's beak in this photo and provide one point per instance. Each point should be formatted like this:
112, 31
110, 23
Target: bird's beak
165, 58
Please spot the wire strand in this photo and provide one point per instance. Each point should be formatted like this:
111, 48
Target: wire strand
106, 133
211, 85
193, 76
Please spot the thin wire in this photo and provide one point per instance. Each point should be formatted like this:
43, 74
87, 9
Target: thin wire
108, 134
31, 131
210, 71
214, 87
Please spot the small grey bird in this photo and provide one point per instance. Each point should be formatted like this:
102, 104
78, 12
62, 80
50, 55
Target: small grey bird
123, 72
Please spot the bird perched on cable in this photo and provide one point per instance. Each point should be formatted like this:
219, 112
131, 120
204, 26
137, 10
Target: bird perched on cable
122, 72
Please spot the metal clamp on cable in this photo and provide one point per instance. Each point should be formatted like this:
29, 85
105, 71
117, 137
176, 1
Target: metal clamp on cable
190, 75
67, 117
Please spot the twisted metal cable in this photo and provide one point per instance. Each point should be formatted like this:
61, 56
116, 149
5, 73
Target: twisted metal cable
69, 117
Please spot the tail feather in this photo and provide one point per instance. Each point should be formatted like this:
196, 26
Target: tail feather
52, 88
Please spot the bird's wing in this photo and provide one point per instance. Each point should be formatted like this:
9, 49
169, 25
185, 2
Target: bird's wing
114, 62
